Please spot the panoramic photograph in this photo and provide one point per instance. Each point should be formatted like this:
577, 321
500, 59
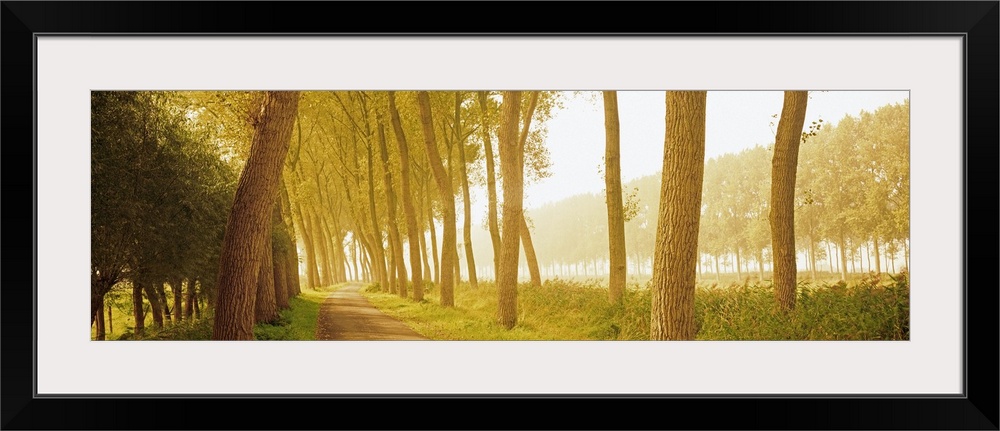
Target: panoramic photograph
495, 215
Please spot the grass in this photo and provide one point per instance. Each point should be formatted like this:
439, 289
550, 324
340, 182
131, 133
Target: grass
298, 322
872, 308
559, 310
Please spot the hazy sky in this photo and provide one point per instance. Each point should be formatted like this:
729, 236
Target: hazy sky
735, 120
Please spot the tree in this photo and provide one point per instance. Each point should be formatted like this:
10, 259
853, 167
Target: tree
394, 237
470, 258
413, 233
529, 248
251, 215
676, 250
266, 304
512, 168
613, 196
491, 182
159, 197
449, 247
782, 215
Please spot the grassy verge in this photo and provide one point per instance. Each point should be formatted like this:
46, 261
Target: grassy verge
867, 309
298, 322
559, 310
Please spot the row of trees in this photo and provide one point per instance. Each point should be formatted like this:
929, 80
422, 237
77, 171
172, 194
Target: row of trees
348, 185
366, 174
164, 170
853, 178
159, 199
320, 173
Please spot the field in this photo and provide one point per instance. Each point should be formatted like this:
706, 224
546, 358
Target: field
866, 309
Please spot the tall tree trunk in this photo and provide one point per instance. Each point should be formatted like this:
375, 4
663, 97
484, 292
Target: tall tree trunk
161, 291
292, 272
470, 259
197, 303
391, 267
892, 263
137, 311
380, 261
529, 251
412, 231
420, 245
782, 215
906, 253
390, 193
178, 293
512, 167
110, 322
718, 273
191, 299
320, 240
863, 253
355, 258
529, 248
343, 265
829, 256
266, 307
843, 255
450, 167
434, 246
365, 266
155, 305
812, 258
422, 200
250, 218
613, 198
293, 250
878, 265
854, 259
458, 264
337, 251
331, 249
280, 261
739, 271
676, 247
491, 183
349, 270
100, 285
446, 191
101, 331
423, 255
312, 275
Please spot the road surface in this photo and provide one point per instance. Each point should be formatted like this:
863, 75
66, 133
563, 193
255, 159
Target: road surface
346, 315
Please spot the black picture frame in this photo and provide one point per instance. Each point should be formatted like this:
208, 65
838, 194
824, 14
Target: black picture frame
977, 22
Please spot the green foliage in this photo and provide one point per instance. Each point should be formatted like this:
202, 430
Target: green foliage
278, 330
200, 329
160, 191
866, 310
298, 322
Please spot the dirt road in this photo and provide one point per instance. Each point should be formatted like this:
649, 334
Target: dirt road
346, 315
